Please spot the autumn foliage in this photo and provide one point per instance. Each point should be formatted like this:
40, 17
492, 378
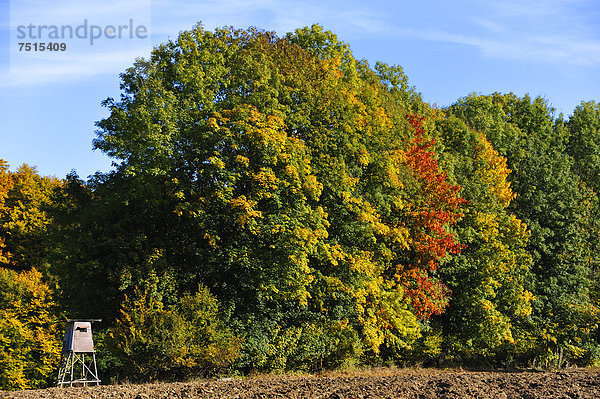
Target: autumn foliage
29, 344
434, 207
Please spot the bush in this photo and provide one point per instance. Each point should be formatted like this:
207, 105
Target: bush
151, 341
312, 346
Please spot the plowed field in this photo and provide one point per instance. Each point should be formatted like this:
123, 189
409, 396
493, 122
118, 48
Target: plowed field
381, 383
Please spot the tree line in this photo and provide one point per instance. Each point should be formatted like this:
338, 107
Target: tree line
277, 204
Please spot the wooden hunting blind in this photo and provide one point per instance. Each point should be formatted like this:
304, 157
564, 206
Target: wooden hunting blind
78, 357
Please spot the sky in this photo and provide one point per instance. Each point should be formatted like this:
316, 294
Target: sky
50, 100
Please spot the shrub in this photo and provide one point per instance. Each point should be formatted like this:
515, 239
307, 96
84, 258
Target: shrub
151, 341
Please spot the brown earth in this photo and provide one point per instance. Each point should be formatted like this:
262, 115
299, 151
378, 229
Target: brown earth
380, 383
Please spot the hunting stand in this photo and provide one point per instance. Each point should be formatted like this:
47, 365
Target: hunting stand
78, 357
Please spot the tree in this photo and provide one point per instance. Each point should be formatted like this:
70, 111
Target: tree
29, 344
29, 347
25, 201
553, 204
434, 206
584, 147
488, 315
282, 174
584, 142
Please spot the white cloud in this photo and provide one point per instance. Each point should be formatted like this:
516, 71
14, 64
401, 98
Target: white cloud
281, 16
490, 25
65, 12
548, 31
74, 67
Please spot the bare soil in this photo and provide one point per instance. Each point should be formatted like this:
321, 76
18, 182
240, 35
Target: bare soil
379, 383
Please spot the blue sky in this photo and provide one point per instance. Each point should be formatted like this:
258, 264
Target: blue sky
448, 49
